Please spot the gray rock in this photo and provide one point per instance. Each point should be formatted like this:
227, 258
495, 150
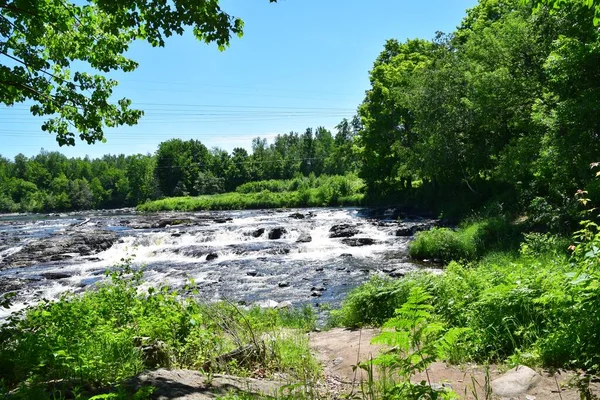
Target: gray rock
315, 293
194, 385
212, 256
297, 215
357, 242
79, 241
258, 232
318, 288
284, 304
304, 238
56, 275
283, 284
276, 233
342, 231
252, 272
516, 382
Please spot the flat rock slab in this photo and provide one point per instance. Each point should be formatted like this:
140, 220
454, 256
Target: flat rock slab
516, 382
192, 385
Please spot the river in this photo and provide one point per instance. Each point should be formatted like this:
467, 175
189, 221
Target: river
266, 257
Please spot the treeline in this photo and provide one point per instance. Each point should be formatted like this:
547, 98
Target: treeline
52, 182
506, 108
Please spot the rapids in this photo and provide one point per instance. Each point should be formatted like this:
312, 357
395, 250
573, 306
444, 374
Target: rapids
249, 257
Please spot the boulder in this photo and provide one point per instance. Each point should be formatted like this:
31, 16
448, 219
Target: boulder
297, 215
252, 272
212, 256
222, 220
346, 255
342, 231
276, 233
304, 238
55, 275
357, 242
258, 232
284, 304
515, 382
315, 293
283, 284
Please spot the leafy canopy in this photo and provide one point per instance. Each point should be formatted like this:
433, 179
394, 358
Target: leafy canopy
40, 40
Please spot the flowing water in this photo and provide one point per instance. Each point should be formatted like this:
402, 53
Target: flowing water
226, 253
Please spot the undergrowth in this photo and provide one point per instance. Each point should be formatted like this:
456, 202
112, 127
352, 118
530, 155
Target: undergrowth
299, 192
535, 307
83, 343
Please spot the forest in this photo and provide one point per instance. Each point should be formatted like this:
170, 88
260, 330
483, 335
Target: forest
52, 182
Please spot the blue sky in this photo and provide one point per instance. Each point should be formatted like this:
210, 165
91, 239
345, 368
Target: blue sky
301, 63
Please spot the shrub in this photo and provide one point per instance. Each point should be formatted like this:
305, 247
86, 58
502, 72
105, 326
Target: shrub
104, 336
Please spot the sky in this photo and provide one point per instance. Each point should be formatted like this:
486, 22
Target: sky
300, 64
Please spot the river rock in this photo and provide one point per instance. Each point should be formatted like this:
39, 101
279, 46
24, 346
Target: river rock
252, 272
515, 382
163, 223
357, 242
284, 304
342, 231
297, 215
212, 256
410, 230
222, 220
61, 246
304, 238
318, 288
316, 293
55, 275
258, 232
283, 284
346, 255
276, 233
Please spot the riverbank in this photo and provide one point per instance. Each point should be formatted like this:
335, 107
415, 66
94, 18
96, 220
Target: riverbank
325, 191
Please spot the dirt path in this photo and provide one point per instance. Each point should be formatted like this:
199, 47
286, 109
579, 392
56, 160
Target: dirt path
340, 349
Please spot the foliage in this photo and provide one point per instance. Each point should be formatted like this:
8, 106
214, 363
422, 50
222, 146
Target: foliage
327, 191
414, 338
52, 182
470, 241
43, 39
504, 108
104, 336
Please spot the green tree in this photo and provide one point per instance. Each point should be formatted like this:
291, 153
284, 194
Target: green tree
41, 39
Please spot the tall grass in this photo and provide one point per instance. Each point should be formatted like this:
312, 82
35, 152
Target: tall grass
535, 307
299, 192
105, 336
468, 242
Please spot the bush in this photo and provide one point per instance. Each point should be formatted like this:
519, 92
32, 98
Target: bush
470, 241
116, 331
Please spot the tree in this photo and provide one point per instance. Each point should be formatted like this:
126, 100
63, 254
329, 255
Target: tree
41, 39
556, 4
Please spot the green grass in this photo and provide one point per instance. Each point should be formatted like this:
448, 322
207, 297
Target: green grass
469, 241
98, 339
299, 192
534, 307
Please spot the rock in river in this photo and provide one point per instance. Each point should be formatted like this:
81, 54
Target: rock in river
276, 233
59, 246
342, 230
356, 242
304, 238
